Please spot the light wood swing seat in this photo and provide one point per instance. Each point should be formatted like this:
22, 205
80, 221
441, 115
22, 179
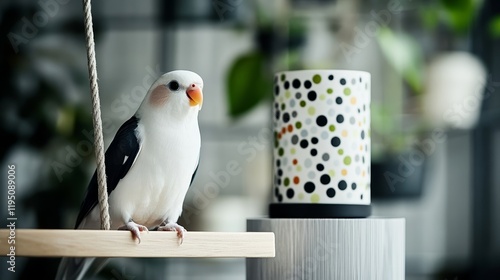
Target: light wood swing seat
117, 243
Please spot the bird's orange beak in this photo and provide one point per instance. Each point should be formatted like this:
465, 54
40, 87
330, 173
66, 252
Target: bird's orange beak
195, 95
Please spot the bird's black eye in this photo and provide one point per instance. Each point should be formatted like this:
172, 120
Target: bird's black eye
173, 85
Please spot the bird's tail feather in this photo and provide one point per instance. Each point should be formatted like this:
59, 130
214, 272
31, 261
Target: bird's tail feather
73, 268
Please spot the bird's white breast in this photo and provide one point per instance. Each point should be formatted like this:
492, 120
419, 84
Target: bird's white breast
155, 186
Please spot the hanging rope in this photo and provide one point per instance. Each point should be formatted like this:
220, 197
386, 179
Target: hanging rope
96, 113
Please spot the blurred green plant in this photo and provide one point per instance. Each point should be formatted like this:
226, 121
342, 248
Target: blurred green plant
458, 15
404, 54
453, 20
250, 77
495, 27
248, 83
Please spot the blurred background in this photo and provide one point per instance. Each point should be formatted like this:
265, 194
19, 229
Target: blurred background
435, 113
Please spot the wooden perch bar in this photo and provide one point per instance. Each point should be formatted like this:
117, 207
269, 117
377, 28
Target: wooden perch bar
112, 243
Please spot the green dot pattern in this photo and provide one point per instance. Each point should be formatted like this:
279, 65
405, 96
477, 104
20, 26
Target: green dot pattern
311, 110
347, 160
317, 79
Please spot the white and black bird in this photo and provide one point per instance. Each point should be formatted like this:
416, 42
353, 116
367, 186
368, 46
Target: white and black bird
150, 164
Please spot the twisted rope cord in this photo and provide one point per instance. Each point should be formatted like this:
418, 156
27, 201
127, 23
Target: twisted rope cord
96, 113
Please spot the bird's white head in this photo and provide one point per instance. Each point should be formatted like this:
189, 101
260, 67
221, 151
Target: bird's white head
178, 90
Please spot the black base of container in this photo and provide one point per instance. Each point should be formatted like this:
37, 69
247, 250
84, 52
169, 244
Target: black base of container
304, 210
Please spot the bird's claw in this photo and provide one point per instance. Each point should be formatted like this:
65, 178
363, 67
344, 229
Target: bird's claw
174, 227
135, 229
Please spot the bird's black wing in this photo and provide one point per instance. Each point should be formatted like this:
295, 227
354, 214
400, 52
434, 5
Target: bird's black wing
119, 157
194, 173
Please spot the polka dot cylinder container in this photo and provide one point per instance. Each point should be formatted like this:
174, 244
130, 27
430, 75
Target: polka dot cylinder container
321, 121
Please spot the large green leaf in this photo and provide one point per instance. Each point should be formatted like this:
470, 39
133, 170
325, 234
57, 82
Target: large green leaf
404, 54
248, 83
459, 14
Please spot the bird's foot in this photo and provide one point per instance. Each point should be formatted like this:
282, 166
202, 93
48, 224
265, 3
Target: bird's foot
135, 229
174, 227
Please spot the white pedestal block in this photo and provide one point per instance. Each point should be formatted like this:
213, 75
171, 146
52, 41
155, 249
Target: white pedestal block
327, 249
